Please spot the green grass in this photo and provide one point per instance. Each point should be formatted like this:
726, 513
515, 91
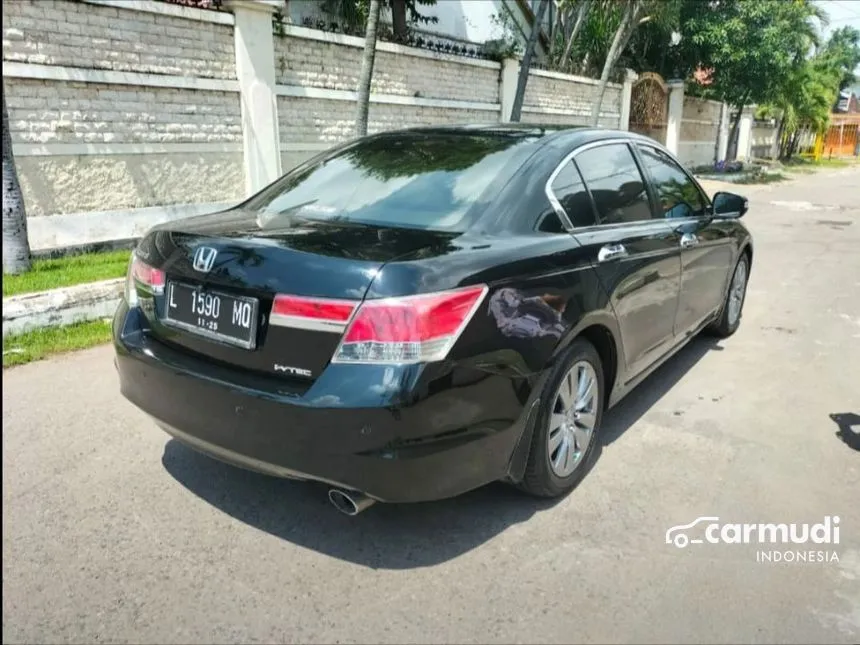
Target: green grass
67, 271
798, 163
41, 343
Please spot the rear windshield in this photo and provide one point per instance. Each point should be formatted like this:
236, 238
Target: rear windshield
415, 180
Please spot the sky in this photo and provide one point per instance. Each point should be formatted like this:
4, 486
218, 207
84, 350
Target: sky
842, 13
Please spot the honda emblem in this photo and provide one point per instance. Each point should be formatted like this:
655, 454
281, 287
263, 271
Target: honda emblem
204, 258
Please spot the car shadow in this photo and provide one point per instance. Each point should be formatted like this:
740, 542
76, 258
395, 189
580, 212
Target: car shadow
849, 428
392, 536
385, 536
619, 419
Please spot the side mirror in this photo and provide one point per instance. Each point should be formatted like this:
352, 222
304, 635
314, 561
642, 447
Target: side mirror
730, 205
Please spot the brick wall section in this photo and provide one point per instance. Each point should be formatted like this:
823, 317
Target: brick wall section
701, 109
567, 119
76, 34
64, 33
303, 120
60, 184
312, 63
52, 112
569, 95
763, 136
700, 120
700, 127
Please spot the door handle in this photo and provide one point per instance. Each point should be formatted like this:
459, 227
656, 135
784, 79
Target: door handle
611, 252
688, 240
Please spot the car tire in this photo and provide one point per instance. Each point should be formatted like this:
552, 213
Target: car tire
546, 473
730, 318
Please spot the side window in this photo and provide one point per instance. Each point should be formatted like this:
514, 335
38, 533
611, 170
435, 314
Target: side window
677, 194
570, 192
550, 222
616, 184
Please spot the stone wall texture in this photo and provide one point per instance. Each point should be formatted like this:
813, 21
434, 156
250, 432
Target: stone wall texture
57, 34
75, 112
700, 127
93, 88
302, 62
59, 184
763, 137
303, 120
575, 99
77, 34
312, 63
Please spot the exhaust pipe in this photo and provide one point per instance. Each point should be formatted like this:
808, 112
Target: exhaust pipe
349, 502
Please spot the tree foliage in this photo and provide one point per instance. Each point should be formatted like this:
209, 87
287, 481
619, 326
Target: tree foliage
353, 13
752, 46
811, 89
842, 51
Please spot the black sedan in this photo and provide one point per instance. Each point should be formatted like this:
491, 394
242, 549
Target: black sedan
418, 313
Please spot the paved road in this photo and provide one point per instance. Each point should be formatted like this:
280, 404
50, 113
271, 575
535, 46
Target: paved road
112, 532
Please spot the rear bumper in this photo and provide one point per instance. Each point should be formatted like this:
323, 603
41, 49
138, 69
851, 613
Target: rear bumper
444, 443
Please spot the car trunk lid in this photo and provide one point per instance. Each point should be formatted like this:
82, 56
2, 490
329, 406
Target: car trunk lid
224, 273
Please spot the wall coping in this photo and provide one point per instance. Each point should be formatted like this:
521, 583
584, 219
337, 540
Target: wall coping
571, 78
50, 232
36, 71
164, 9
74, 149
300, 91
536, 109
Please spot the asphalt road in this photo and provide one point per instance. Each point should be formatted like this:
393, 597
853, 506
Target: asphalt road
112, 532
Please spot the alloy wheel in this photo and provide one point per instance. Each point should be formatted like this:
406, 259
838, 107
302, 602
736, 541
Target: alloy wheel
736, 292
574, 415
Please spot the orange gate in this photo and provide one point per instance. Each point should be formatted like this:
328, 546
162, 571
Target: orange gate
842, 138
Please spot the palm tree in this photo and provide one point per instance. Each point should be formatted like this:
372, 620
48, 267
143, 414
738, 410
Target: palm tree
367, 69
633, 14
16, 247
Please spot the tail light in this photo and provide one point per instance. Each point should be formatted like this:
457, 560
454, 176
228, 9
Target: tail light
318, 314
413, 329
142, 275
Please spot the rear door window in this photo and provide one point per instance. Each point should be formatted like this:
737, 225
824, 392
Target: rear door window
617, 186
569, 189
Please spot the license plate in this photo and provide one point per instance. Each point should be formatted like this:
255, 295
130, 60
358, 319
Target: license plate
212, 314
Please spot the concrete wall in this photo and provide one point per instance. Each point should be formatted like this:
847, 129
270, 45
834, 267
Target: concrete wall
700, 130
317, 78
76, 34
122, 110
556, 98
119, 106
763, 140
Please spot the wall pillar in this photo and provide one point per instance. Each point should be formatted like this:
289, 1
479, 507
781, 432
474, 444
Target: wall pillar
630, 77
675, 116
255, 71
508, 87
745, 133
723, 133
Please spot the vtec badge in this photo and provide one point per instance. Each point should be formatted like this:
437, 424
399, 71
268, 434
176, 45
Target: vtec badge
295, 371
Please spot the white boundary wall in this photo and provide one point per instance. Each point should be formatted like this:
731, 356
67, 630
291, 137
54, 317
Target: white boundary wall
126, 113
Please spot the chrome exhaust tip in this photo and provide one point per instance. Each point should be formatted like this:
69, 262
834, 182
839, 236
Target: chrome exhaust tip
349, 502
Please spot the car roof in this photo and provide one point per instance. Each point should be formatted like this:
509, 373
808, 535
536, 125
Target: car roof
568, 136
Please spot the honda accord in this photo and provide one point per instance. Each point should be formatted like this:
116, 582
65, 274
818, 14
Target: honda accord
417, 313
